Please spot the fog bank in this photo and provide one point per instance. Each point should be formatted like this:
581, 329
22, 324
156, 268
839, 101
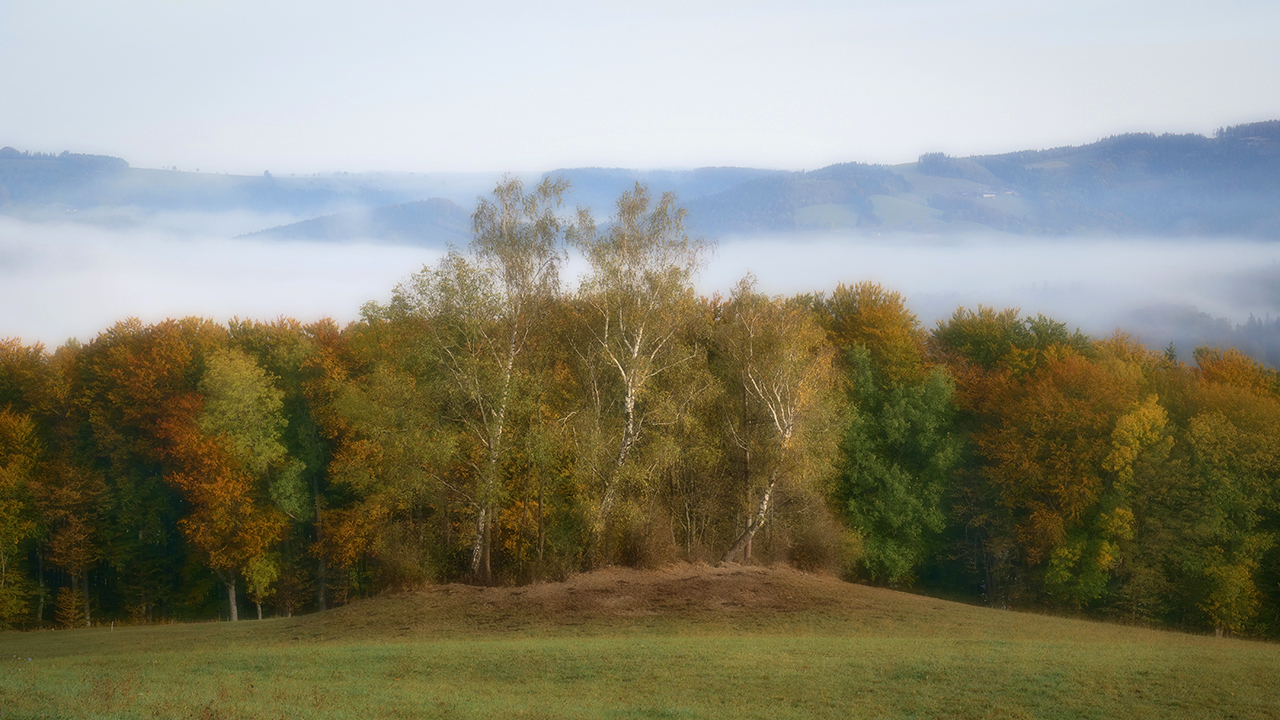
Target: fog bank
72, 280
1098, 285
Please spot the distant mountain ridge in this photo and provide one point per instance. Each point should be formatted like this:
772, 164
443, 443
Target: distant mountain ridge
1225, 185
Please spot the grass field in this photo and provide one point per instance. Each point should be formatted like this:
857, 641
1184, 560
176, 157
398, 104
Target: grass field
687, 642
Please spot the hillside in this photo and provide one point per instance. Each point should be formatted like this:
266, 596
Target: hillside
1135, 184
687, 641
39, 186
436, 222
31, 181
599, 188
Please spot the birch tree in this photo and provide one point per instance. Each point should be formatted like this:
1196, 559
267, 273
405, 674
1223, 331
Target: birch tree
481, 309
633, 304
778, 360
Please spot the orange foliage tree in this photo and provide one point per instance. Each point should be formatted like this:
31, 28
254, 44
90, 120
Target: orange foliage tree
229, 522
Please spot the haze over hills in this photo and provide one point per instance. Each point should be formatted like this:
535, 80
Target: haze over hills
1134, 184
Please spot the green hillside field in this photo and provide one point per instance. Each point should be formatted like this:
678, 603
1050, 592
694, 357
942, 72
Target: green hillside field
688, 641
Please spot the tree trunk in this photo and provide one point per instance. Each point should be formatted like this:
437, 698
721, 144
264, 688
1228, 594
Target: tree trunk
541, 536
477, 545
630, 436
255, 602
322, 600
988, 570
488, 544
43, 589
231, 599
480, 549
88, 621
490, 475
744, 540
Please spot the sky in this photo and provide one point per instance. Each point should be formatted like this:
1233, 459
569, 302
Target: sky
300, 86
244, 86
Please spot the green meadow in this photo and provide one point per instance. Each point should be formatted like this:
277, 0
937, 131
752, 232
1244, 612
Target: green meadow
778, 644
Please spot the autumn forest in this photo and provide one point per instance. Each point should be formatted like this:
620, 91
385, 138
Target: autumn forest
493, 426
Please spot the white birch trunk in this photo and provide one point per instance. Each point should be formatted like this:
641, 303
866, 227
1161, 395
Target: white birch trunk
744, 540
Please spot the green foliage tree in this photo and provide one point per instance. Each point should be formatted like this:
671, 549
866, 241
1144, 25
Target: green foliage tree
243, 405
242, 409
899, 452
260, 577
287, 351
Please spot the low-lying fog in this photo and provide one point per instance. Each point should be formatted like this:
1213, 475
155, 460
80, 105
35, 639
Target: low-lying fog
1160, 289
73, 280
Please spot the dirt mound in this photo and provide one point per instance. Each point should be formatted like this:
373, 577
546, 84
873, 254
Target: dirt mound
622, 597
681, 589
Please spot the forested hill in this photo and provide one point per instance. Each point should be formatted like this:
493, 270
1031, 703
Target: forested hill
1135, 184
1228, 184
42, 186
31, 182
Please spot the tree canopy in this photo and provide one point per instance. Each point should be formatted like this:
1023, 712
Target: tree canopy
491, 424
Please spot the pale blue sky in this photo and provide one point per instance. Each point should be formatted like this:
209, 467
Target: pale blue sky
243, 86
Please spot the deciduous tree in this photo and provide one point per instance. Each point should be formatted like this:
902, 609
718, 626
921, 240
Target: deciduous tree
634, 304
778, 361
481, 310
19, 451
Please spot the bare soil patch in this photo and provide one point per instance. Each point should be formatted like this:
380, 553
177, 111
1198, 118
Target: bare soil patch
684, 595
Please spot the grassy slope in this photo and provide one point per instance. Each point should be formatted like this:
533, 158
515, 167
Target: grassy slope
685, 642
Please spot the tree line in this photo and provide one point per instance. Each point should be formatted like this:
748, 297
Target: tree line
489, 425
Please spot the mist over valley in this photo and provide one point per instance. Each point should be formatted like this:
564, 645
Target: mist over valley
69, 279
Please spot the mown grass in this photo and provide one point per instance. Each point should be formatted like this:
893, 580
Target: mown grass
887, 655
